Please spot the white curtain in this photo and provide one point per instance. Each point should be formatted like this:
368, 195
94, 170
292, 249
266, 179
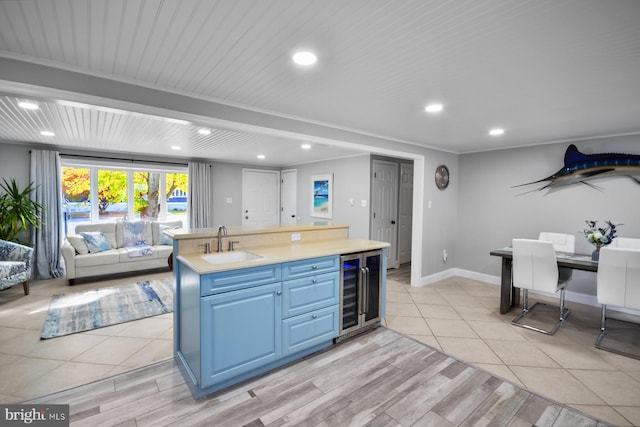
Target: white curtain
46, 175
200, 195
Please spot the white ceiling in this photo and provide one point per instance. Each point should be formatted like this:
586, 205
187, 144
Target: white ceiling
544, 70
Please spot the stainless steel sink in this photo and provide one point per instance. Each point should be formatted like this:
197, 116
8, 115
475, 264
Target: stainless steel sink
225, 257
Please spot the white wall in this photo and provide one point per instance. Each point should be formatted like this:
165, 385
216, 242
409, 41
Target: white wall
492, 212
350, 181
14, 163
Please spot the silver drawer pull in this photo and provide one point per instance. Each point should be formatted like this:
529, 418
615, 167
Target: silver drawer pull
314, 267
314, 316
315, 280
279, 293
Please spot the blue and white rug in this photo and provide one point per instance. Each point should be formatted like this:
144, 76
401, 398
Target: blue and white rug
97, 308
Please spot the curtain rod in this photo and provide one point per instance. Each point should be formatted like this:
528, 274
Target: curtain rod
123, 160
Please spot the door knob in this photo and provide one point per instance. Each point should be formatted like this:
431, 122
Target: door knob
393, 221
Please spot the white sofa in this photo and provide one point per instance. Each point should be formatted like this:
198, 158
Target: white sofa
80, 262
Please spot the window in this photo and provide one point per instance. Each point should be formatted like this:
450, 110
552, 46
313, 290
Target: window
122, 192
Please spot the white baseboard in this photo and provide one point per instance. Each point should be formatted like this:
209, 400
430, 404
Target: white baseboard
577, 297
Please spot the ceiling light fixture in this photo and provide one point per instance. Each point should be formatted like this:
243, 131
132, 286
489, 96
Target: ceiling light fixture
261, 156
204, 131
433, 108
306, 146
305, 58
47, 133
496, 132
28, 105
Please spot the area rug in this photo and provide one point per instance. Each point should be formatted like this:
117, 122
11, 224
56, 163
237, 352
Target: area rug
97, 308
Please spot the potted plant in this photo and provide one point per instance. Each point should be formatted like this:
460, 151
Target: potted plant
18, 211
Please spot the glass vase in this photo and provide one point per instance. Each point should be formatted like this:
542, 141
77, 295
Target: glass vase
595, 255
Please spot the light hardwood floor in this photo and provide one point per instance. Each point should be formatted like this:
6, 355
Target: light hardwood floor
380, 378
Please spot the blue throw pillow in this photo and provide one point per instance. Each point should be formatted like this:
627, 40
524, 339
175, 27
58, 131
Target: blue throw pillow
133, 233
96, 241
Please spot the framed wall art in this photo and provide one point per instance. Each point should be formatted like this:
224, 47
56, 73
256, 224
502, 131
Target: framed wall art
322, 197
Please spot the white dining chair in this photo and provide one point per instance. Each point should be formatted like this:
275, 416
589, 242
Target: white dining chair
535, 268
618, 284
625, 242
561, 243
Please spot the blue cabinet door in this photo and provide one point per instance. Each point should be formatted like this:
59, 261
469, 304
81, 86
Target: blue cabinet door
241, 331
303, 295
309, 329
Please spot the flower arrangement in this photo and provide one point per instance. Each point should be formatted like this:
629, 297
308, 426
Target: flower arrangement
600, 236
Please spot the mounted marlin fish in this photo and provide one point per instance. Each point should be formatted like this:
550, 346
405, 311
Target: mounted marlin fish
579, 168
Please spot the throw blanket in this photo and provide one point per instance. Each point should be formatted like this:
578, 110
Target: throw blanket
140, 250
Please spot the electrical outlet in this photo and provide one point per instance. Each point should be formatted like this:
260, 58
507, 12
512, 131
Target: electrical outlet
295, 237
444, 255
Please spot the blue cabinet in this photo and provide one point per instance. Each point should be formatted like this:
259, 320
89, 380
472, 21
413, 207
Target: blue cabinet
240, 331
233, 325
309, 329
310, 293
311, 303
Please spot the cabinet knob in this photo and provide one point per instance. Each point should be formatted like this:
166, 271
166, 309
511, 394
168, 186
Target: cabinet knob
279, 293
314, 316
314, 267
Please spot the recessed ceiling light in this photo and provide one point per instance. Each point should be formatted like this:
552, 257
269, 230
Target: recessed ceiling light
204, 131
261, 156
305, 58
176, 147
28, 105
306, 146
433, 108
496, 132
47, 133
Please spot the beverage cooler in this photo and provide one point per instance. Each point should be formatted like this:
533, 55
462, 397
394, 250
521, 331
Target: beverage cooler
360, 292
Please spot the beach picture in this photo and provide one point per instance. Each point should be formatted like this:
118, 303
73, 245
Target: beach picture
322, 187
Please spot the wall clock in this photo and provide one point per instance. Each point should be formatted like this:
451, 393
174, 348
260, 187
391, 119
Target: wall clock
442, 177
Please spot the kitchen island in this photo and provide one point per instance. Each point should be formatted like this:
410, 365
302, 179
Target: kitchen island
277, 297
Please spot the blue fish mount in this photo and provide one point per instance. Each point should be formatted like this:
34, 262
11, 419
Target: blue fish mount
580, 168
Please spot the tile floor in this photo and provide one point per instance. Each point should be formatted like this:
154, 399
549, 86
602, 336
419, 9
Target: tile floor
458, 316
31, 367
461, 317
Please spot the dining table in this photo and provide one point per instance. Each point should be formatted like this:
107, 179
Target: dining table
510, 295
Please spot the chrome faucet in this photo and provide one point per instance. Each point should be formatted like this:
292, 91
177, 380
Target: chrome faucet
222, 231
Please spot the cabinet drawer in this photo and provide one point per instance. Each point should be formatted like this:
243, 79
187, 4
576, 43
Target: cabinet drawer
305, 267
310, 293
232, 280
306, 330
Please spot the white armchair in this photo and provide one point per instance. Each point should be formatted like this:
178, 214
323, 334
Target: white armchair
15, 265
618, 284
535, 268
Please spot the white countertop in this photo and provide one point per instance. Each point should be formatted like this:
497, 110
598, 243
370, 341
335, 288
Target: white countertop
283, 253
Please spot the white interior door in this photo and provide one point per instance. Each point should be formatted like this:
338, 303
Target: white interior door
384, 207
288, 197
405, 213
260, 197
